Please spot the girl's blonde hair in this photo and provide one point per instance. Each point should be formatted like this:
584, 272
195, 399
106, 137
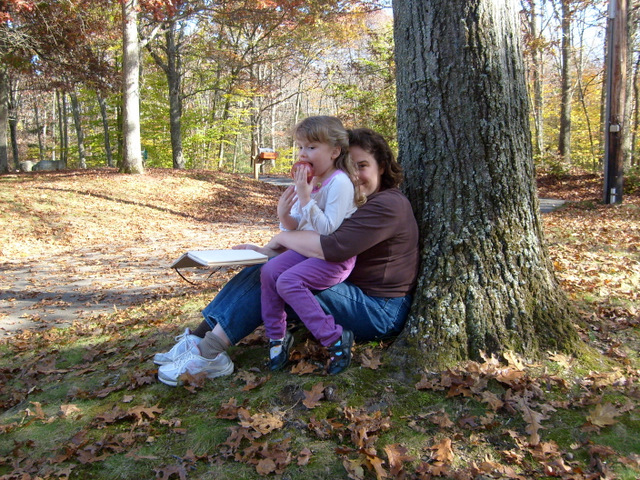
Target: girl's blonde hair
329, 130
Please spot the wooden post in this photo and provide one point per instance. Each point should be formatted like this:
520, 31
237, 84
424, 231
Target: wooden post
615, 101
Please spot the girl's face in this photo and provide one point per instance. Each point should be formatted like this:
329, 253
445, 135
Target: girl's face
320, 155
369, 172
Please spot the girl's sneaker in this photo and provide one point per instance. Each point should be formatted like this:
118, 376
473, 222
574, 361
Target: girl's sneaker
185, 342
279, 352
341, 353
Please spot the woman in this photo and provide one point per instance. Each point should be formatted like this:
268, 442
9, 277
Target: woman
372, 303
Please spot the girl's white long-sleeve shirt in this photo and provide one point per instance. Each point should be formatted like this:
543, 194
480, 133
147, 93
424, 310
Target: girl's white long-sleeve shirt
330, 204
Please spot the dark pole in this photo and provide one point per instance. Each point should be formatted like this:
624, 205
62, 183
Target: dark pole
615, 101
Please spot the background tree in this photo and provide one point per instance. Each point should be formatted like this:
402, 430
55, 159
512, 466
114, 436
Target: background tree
131, 145
250, 69
564, 137
171, 65
485, 280
534, 46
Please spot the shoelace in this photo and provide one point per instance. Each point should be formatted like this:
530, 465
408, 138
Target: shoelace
182, 336
184, 358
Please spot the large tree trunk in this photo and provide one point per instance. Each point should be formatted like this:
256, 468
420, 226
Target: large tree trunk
485, 281
131, 151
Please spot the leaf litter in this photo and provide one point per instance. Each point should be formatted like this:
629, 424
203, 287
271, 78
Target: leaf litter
499, 418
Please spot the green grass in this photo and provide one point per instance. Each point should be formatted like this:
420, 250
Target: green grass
133, 448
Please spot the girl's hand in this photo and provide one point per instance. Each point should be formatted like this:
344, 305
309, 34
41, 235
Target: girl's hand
303, 188
286, 201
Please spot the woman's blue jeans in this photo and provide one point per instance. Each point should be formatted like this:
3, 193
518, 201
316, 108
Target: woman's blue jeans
236, 308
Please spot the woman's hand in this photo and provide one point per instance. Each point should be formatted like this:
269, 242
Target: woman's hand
266, 250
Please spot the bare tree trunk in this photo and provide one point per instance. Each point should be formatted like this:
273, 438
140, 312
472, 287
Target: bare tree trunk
131, 144
636, 116
75, 110
225, 117
14, 102
36, 113
172, 69
627, 132
535, 49
105, 128
54, 119
485, 281
63, 126
4, 120
564, 139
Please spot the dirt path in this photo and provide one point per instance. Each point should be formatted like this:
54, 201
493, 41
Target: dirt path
57, 290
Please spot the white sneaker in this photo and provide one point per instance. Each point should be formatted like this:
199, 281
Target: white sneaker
193, 363
185, 342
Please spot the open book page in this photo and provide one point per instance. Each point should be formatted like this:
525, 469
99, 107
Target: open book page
218, 258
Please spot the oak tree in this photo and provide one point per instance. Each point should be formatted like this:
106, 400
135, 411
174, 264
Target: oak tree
486, 283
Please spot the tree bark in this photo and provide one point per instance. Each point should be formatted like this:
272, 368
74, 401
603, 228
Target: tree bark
40, 130
4, 120
174, 76
131, 148
63, 126
485, 281
13, 105
537, 74
632, 30
75, 110
172, 69
105, 128
564, 137
636, 115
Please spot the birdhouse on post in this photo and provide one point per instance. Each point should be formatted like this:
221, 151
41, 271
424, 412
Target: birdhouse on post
264, 155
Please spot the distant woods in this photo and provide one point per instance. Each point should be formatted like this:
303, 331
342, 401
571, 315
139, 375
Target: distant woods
219, 81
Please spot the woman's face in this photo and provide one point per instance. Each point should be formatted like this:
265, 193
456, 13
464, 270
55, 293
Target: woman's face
369, 173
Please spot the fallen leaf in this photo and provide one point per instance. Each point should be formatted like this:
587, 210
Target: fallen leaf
397, 455
66, 410
312, 397
442, 451
304, 457
603, 415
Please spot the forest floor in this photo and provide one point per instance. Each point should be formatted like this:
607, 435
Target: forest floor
87, 297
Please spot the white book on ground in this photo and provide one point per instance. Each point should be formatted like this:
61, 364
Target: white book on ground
219, 258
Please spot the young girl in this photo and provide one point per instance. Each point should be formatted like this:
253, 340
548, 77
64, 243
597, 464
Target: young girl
319, 204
